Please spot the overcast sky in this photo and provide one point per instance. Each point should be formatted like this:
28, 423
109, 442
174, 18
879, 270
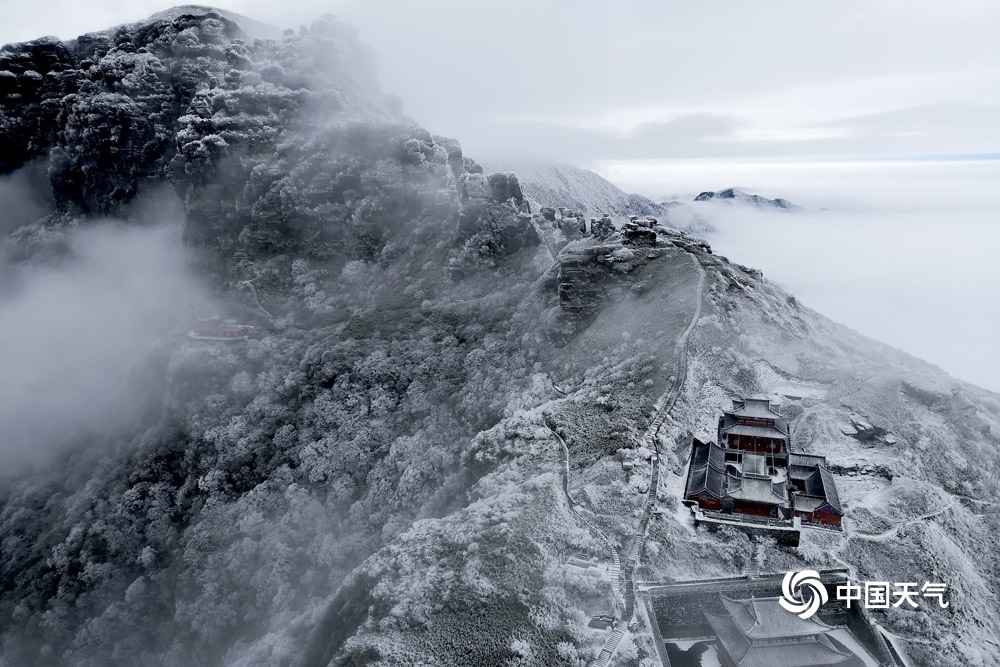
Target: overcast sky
578, 81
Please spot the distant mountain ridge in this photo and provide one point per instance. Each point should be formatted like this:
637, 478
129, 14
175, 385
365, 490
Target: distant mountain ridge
733, 194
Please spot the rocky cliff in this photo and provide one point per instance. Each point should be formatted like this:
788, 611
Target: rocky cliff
273, 146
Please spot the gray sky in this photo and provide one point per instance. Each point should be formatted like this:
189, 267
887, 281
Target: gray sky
578, 81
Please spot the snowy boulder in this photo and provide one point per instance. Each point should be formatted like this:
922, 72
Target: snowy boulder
505, 186
590, 274
637, 235
602, 228
471, 166
573, 228
861, 430
924, 392
474, 186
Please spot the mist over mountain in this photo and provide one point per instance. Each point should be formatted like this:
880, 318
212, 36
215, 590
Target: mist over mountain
430, 418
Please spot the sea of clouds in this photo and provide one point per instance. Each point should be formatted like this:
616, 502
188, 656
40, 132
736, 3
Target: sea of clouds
902, 251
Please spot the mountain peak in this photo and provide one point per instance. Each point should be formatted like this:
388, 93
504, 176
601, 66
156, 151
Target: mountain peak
253, 28
735, 194
550, 184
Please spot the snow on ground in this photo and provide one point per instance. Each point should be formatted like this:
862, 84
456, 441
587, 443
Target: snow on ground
796, 390
710, 658
673, 487
859, 490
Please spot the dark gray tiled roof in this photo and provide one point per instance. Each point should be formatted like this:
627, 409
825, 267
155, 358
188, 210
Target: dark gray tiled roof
820, 484
764, 618
754, 407
759, 490
729, 635
705, 478
818, 651
706, 453
800, 471
831, 489
754, 431
717, 457
807, 503
728, 420
707, 470
814, 484
751, 632
700, 452
797, 458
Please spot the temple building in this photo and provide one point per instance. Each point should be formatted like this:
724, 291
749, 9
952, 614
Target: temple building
217, 328
754, 426
813, 491
760, 633
752, 473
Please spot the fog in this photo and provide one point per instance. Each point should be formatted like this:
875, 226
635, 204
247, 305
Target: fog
904, 251
25, 195
569, 81
74, 336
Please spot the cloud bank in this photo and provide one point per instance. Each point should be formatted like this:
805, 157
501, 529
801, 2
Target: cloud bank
904, 252
75, 337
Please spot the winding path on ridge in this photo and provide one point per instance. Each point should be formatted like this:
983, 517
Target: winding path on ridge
899, 642
249, 284
615, 556
894, 531
622, 581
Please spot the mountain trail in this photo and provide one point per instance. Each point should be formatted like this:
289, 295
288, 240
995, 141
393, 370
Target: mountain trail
623, 585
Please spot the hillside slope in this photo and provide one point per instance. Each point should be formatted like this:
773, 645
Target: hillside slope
582, 190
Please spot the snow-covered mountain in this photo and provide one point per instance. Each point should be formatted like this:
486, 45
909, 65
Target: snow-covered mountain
426, 425
738, 196
252, 28
581, 190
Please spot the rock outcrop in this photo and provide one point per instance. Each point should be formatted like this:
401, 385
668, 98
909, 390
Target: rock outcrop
602, 227
105, 108
589, 273
494, 222
274, 147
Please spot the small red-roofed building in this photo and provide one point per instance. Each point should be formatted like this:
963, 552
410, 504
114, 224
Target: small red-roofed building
217, 328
